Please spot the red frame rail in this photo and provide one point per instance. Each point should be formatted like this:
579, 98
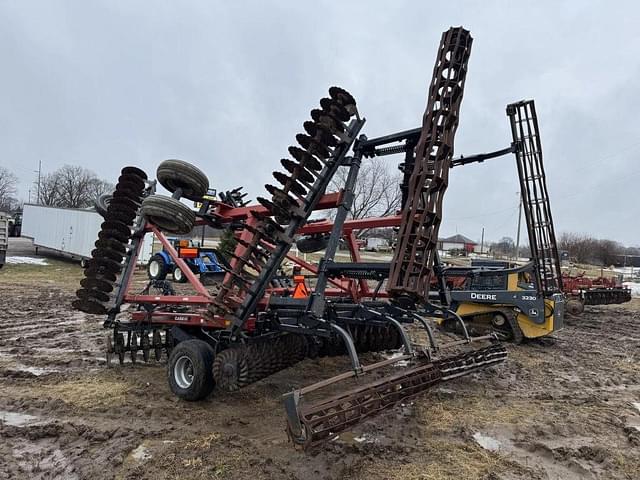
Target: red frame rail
201, 316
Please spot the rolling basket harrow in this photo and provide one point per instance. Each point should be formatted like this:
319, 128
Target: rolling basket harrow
249, 326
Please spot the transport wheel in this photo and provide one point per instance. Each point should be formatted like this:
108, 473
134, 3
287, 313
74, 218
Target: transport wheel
134, 347
574, 307
169, 214
178, 276
101, 203
119, 348
174, 174
189, 370
230, 370
157, 268
312, 244
157, 345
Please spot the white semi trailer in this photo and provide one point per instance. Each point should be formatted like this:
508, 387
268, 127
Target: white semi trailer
70, 232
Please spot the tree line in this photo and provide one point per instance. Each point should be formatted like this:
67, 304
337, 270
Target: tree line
70, 186
596, 251
579, 248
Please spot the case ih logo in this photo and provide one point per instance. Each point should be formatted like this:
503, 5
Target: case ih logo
483, 296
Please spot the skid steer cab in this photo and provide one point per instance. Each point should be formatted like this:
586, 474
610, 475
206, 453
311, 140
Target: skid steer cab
209, 263
505, 301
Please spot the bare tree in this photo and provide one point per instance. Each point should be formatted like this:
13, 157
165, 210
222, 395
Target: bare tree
585, 249
98, 187
376, 193
49, 189
8, 182
72, 186
505, 246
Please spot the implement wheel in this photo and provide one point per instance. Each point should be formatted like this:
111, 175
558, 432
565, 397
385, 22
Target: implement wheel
312, 244
101, 203
169, 214
189, 370
574, 307
174, 174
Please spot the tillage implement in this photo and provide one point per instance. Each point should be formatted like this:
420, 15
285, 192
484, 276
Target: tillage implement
248, 323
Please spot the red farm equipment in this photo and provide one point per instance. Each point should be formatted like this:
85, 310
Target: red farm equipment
251, 324
582, 290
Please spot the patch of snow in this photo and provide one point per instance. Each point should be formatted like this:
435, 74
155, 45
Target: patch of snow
26, 260
487, 442
141, 453
635, 288
399, 363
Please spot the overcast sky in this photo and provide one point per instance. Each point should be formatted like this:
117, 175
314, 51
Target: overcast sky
227, 85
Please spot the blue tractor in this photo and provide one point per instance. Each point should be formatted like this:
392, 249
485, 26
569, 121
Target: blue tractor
209, 263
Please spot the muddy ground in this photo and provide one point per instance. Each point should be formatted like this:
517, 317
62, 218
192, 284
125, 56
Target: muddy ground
564, 408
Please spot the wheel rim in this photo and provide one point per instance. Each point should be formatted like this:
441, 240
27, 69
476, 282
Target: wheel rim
183, 372
154, 268
177, 274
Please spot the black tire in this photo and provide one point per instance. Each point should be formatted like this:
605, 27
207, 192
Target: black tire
168, 214
102, 203
178, 276
189, 370
174, 174
157, 261
574, 307
312, 244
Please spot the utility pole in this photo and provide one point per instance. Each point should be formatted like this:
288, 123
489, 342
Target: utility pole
519, 219
39, 172
482, 242
39, 175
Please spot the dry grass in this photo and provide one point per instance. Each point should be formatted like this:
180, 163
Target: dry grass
56, 272
90, 392
445, 460
473, 413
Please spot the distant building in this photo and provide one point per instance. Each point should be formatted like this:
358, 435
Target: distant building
457, 242
376, 243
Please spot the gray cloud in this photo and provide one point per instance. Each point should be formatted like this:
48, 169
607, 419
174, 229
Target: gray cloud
227, 85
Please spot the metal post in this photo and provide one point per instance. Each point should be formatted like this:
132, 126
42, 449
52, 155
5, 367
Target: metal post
482, 242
